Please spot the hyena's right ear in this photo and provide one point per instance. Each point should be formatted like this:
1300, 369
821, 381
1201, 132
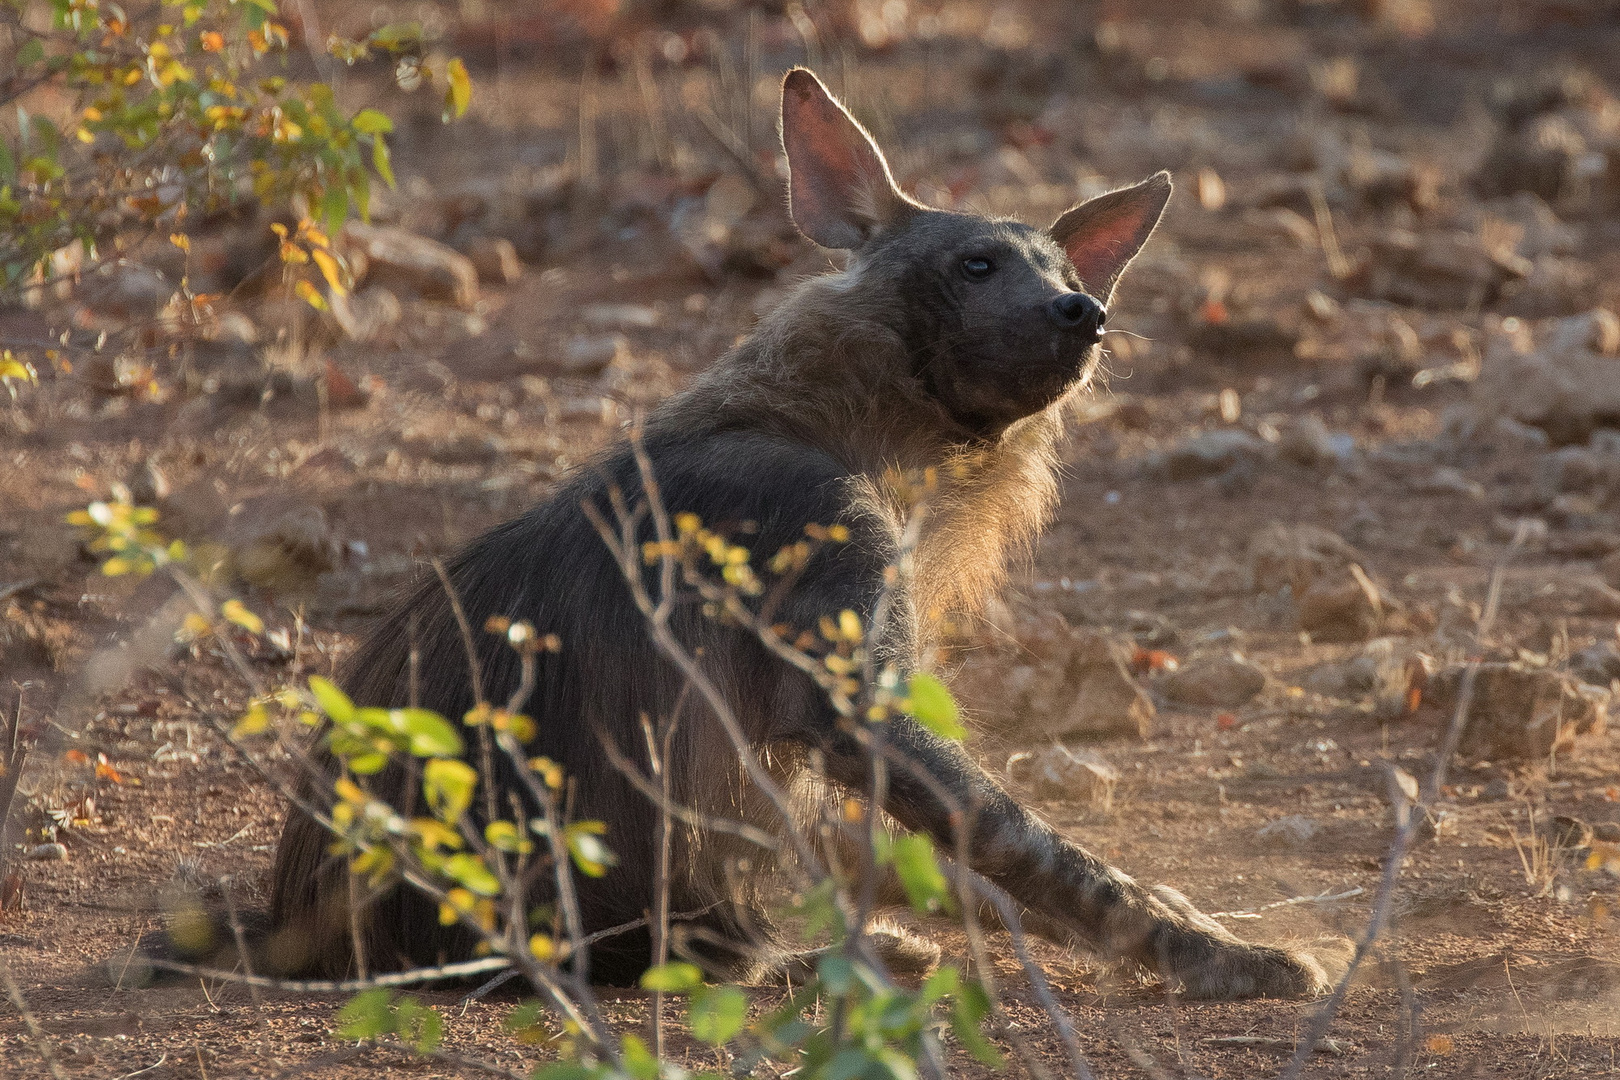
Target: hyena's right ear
1103, 235
840, 191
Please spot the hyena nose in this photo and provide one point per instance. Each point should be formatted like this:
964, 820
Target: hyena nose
1077, 311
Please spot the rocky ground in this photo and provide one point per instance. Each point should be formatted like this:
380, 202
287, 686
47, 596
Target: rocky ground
1372, 368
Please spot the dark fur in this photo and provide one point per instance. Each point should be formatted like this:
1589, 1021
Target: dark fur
895, 363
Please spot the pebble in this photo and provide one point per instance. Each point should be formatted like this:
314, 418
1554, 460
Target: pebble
1224, 681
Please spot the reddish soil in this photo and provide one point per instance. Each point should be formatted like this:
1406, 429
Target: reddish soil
1503, 962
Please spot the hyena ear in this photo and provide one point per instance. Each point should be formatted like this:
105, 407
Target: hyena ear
840, 191
1103, 235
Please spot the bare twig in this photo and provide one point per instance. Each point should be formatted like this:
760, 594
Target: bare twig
1007, 910
1320, 898
42, 1041
1384, 898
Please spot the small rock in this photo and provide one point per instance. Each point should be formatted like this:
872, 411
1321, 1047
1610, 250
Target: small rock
1579, 469
621, 316
1440, 271
1046, 678
1223, 681
126, 290
1606, 832
1509, 435
1519, 711
1542, 155
1059, 773
1212, 453
1554, 286
1248, 343
1308, 442
364, 315
1609, 568
1296, 555
1345, 606
329, 459
1543, 232
401, 259
589, 354
1563, 385
1291, 831
46, 852
1447, 480
495, 259
279, 543
1390, 672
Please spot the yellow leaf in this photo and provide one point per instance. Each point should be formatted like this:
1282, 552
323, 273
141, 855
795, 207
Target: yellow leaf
542, 947
181, 241
236, 612
458, 95
330, 271
308, 293
348, 790
256, 722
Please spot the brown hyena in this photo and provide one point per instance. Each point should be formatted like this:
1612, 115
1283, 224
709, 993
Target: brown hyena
950, 342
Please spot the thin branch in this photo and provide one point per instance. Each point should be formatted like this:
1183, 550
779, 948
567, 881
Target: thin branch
1384, 899
42, 1041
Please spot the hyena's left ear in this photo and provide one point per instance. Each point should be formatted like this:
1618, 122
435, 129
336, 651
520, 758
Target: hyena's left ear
1103, 235
840, 191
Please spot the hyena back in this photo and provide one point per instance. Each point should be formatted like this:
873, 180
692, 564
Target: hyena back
950, 342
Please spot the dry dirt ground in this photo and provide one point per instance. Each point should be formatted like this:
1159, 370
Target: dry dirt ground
1255, 308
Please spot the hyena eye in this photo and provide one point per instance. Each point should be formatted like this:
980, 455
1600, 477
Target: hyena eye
978, 269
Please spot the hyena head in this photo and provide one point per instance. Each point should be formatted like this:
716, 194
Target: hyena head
999, 319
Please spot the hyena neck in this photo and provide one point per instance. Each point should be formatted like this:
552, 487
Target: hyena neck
826, 370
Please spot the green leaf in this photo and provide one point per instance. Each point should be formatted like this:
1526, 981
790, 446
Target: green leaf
448, 785
368, 764
638, 1060
458, 91
505, 836
718, 1013
8, 164
847, 1063
32, 52
470, 872
335, 207
933, 706
562, 1070
372, 122
419, 1024
919, 872
380, 160
972, 1006
837, 973
367, 1015
941, 983
896, 1064
675, 977
431, 734
334, 702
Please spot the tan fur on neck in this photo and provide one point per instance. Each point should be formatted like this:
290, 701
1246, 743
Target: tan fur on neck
824, 369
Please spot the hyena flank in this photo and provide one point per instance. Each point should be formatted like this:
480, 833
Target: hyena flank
950, 342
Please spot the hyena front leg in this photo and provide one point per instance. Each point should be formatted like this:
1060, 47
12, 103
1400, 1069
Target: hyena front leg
1055, 879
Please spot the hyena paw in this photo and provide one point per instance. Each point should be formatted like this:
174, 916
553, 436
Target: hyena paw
1242, 971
